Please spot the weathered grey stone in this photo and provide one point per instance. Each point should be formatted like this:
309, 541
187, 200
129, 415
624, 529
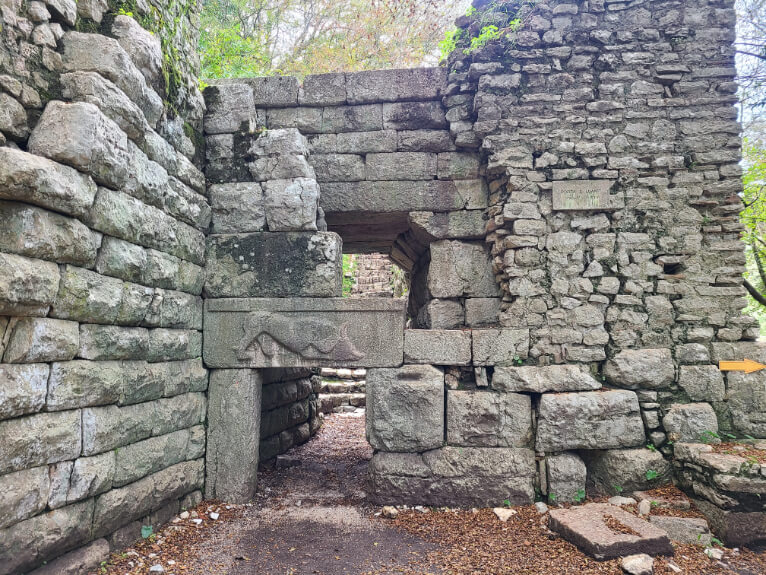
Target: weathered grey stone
585, 527
36, 180
395, 85
566, 477
627, 468
465, 224
59, 475
365, 118
282, 142
109, 342
746, 398
734, 527
291, 205
180, 377
105, 428
173, 344
366, 142
684, 530
441, 314
274, 91
39, 439
87, 296
144, 48
405, 408
460, 269
42, 339
488, 419
237, 208
589, 420
118, 507
424, 141
499, 346
323, 90
174, 309
27, 286
387, 197
688, 422
481, 312
13, 117
702, 382
274, 265
22, 389
91, 476
414, 116
541, 379
440, 347
38, 233
458, 166
338, 167
641, 369
120, 259
400, 166
138, 460
454, 476
304, 332
307, 120
179, 412
75, 384
234, 423
94, 89
29, 543
80, 136
231, 108
25, 493
98, 53
92, 9
84, 559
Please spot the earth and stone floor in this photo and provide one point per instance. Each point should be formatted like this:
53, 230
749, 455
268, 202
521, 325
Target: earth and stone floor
311, 517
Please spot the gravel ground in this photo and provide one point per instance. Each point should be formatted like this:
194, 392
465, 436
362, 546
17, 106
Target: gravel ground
312, 518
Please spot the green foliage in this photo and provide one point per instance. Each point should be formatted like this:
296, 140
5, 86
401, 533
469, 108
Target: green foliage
753, 217
349, 274
487, 34
147, 531
618, 489
517, 360
709, 437
580, 496
651, 475
651, 447
552, 497
507, 502
449, 43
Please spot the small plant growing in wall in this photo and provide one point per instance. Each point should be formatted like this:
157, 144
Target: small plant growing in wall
651, 475
552, 498
709, 437
517, 360
580, 496
147, 531
618, 489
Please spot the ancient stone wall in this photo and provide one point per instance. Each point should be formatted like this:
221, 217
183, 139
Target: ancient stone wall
103, 212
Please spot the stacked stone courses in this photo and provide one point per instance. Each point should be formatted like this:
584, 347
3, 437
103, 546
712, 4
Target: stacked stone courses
102, 386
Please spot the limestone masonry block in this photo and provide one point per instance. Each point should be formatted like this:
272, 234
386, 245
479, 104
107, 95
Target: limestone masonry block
414, 116
25, 493
291, 205
482, 312
23, 389
464, 224
237, 208
338, 167
39, 439
440, 347
323, 90
379, 141
111, 342
488, 419
233, 433
274, 265
702, 382
339, 119
500, 346
626, 468
274, 91
37, 180
461, 476
395, 85
405, 408
401, 166
460, 269
641, 369
690, 423
144, 48
424, 141
27, 286
441, 314
231, 108
42, 339
566, 477
589, 420
541, 379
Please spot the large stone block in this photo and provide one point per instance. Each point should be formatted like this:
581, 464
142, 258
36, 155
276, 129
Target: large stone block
338, 167
323, 90
36, 180
29, 543
364, 118
105, 428
388, 197
405, 408
414, 116
641, 369
488, 419
460, 269
734, 527
111, 342
143, 47
27, 286
274, 265
104, 55
42, 339
75, 384
120, 259
304, 332
138, 460
80, 136
37, 233
566, 477
500, 347
174, 344
465, 224
541, 379
439, 347
230, 108
395, 85
401, 166
441, 314
233, 433
39, 439
589, 420
626, 470
82, 560
25, 493
274, 91
179, 412
366, 142
237, 208
174, 309
291, 205
454, 476
22, 389
91, 476
702, 382
690, 422
118, 507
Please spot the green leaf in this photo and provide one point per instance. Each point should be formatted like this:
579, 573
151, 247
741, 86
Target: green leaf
147, 531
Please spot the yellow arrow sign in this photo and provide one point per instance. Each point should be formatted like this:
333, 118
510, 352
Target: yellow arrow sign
748, 366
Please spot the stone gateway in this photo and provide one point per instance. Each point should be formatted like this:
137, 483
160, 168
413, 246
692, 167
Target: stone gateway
563, 201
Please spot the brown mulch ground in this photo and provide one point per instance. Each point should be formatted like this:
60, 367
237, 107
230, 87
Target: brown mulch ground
741, 450
312, 519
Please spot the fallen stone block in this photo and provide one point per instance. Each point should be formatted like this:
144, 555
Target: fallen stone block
685, 530
630, 469
606, 532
